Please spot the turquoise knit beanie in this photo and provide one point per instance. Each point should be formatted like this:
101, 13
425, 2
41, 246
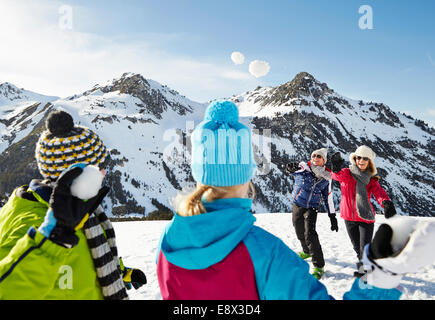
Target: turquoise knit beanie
222, 153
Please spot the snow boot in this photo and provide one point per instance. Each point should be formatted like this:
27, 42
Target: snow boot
358, 274
318, 273
361, 272
304, 255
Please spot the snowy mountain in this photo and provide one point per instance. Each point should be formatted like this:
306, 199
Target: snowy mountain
146, 126
20, 110
305, 114
133, 116
338, 252
11, 95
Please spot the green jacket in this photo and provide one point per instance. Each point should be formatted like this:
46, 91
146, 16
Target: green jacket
33, 267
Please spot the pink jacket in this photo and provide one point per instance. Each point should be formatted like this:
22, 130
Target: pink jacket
348, 193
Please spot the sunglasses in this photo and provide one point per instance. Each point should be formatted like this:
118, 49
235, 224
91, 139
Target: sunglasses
318, 156
364, 158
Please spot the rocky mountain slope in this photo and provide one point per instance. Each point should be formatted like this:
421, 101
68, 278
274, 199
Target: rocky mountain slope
305, 114
146, 126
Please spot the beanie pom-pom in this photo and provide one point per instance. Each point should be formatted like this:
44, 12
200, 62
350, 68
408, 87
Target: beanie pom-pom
222, 112
59, 123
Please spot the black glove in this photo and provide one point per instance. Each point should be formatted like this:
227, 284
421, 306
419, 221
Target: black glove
380, 247
291, 167
68, 213
334, 223
133, 277
337, 162
389, 210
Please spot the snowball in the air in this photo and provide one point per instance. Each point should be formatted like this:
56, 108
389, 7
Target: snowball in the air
237, 57
259, 68
88, 183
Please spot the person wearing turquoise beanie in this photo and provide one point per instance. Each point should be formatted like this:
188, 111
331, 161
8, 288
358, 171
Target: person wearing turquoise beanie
211, 249
221, 148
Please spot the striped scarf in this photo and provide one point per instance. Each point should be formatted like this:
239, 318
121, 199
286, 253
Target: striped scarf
101, 240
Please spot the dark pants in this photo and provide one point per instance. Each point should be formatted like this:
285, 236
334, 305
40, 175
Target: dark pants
360, 234
304, 222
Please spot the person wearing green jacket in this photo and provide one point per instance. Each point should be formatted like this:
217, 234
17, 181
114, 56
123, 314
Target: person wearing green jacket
54, 245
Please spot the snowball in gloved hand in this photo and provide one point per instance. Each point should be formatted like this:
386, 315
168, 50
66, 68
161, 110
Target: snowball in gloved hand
411, 242
400, 246
88, 183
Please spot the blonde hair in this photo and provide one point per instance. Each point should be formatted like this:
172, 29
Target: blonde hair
190, 204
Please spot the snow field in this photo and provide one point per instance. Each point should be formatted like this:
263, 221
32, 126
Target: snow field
138, 243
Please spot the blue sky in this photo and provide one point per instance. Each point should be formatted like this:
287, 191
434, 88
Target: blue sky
187, 46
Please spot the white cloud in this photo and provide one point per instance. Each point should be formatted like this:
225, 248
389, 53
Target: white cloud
39, 55
237, 57
259, 68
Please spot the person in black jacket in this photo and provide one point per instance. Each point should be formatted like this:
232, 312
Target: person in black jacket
312, 184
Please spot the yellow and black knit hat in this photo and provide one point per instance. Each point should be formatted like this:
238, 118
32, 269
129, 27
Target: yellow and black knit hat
64, 144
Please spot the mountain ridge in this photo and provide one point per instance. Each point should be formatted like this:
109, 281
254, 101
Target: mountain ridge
11, 94
301, 115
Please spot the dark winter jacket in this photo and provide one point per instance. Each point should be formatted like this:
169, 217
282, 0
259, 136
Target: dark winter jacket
308, 190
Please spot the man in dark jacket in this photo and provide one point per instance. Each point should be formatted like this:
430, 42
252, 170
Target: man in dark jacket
312, 184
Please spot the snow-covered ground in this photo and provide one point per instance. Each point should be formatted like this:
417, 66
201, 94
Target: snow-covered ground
138, 241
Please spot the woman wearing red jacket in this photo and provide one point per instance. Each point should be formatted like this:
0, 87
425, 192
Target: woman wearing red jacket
358, 183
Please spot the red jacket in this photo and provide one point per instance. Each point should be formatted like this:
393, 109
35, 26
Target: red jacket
348, 194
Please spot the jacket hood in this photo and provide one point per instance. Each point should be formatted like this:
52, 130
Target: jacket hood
41, 189
197, 242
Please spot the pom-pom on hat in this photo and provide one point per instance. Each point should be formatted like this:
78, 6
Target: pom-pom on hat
59, 123
222, 112
222, 152
64, 144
